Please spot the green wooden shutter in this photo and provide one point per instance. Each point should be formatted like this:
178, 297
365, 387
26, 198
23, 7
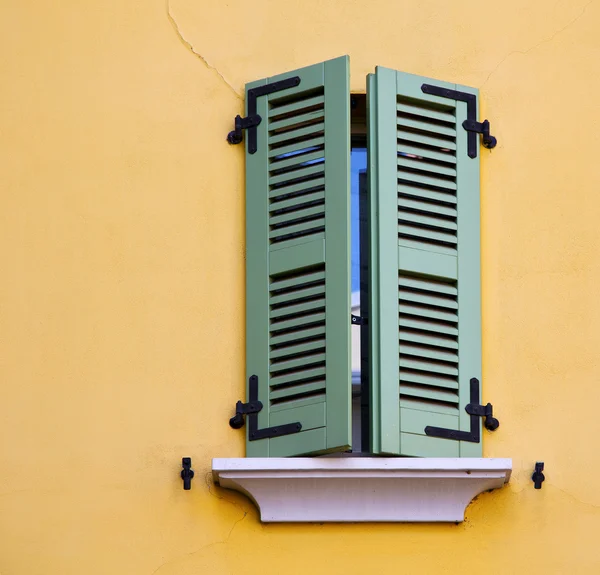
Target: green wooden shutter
425, 300
298, 262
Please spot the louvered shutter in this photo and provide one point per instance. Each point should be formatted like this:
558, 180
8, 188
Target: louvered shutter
298, 262
425, 317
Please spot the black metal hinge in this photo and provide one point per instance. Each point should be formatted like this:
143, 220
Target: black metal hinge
358, 320
475, 411
251, 410
236, 136
471, 125
241, 409
253, 119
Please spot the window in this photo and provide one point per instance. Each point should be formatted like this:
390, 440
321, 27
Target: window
418, 278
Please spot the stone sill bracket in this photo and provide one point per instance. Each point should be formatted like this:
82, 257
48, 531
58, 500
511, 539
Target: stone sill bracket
356, 489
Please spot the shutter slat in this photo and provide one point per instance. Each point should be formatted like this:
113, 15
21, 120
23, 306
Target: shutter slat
302, 321
292, 350
426, 139
300, 294
429, 326
423, 206
426, 234
422, 378
297, 147
311, 117
428, 351
410, 189
428, 299
423, 338
288, 310
305, 362
427, 285
423, 220
290, 216
313, 131
427, 366
305, 199
408, 108
303, 228
298, 376
301, 280
316, 183
298, 389
298, 160
425, 166
292, 177
421, 179
424, 126
425, 311
425, 152
297, 105
438, 395
298, 335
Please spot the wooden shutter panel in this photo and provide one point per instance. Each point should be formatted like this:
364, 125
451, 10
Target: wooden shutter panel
425, 316
298, 261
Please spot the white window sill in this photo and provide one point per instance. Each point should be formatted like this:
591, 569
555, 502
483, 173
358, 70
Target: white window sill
363, 488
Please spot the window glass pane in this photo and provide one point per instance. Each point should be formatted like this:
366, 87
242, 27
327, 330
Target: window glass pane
358, 166
358, 163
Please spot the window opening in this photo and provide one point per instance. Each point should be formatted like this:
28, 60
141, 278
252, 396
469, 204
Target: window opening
359, 235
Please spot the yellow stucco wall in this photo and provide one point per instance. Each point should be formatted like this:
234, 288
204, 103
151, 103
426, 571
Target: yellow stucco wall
122, 304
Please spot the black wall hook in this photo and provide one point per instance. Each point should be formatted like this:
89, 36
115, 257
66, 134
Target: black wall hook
538, 477
187, 473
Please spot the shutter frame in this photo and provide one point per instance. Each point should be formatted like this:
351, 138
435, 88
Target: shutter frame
285, 250
408, 129
469, 274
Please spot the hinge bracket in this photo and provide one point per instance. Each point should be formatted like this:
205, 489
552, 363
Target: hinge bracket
251, 410
241, 409
236, 136
482, 128
471, 125
254, 119
358, 320
475, 410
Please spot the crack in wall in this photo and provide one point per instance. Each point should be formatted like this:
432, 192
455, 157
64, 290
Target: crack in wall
191, 553
204, 547
571, 496
207, 480
544, 41
191, 49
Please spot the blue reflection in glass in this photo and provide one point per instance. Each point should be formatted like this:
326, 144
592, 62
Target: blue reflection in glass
358, 164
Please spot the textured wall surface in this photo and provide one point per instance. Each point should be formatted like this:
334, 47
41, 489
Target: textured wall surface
122, 292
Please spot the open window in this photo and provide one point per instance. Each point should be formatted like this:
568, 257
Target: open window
379, 192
